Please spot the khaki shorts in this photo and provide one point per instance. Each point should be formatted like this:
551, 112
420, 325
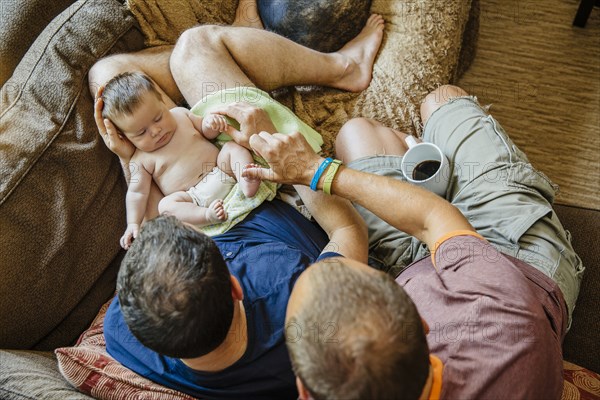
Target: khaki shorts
214, 185
493, 184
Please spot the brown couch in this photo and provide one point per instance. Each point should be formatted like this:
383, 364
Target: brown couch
61, 192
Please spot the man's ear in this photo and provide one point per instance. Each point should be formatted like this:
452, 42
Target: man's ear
236, 289
425, 326
302, 392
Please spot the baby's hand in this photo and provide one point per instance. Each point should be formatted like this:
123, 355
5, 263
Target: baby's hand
130, 234
214, 122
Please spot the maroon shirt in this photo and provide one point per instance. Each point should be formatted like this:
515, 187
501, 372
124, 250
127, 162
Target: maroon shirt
496, 322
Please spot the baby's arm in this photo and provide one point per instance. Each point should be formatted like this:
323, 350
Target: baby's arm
136, 200
210, 126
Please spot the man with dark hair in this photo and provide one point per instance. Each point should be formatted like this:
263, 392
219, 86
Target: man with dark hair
175, 284
498, 288
206, 316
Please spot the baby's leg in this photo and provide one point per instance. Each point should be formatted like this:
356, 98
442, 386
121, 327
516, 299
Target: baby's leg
181, 205
232, 159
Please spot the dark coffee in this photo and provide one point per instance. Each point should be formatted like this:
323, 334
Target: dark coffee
425, 170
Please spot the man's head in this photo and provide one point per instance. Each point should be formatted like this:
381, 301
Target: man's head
134, 104
353, 332
175, 290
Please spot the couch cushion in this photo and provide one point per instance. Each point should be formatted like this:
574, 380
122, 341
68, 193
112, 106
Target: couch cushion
581, 343
88, 367
33, 376
61, 191
22, 21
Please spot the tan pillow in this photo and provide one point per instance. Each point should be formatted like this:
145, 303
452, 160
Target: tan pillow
88, 367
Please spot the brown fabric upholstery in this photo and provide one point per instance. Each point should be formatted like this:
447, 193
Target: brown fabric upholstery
22, 22
581, 343
61, 191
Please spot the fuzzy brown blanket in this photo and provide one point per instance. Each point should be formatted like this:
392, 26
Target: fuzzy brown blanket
421, 50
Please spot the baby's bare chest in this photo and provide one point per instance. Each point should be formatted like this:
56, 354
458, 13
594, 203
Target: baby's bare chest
186, 161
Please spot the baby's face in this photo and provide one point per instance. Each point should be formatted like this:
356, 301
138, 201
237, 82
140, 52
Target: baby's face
150, 127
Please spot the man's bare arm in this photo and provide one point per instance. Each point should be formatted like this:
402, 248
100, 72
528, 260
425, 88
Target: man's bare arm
124, 149
410, 209
345, 228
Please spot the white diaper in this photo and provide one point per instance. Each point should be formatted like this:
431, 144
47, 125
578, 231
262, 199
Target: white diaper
214, 185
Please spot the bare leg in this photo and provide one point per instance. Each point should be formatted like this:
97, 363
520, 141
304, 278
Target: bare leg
362, 137
154, 62
232, 159
438, 98
181, 206
208, 58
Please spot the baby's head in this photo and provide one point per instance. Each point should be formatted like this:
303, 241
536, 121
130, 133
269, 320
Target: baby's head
124, 93
134, 104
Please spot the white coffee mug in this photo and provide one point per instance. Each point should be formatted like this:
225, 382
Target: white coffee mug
425, 165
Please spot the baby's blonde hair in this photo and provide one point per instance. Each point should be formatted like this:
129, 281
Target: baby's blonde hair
123, 93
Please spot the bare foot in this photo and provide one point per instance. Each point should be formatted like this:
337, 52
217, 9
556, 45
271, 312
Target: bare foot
360, 55
216, 212
247, 15
250, 185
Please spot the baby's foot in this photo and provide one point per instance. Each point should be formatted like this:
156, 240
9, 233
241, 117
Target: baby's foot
250, 185
360, 55
216, 212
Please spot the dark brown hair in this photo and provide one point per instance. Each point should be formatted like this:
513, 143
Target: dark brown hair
124, 92
174, 289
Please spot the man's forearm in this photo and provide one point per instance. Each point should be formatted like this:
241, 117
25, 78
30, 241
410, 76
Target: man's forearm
345, 228
411, 209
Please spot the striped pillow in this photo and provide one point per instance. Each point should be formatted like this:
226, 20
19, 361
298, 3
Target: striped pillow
88, 367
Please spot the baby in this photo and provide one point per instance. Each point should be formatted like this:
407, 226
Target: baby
173, 148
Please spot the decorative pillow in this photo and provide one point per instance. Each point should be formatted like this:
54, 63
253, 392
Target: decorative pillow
323, 25
580, 383
89, 368
62, 205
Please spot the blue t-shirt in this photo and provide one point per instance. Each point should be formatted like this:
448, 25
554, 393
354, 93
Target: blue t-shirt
266, 252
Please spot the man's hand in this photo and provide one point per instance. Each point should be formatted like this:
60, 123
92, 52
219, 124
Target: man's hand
290, 157
251, 119
114, 140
